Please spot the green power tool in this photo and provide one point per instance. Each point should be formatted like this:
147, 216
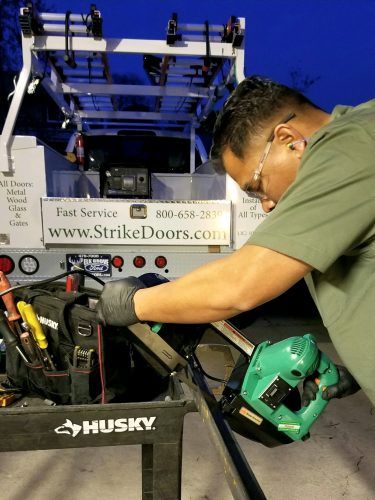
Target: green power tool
261, 400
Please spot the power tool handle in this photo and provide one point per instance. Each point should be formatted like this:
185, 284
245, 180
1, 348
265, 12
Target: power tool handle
328, 375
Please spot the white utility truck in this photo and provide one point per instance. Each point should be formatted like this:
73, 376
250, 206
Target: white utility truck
129, 197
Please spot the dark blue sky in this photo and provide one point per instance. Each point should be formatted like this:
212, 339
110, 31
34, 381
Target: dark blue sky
333, 40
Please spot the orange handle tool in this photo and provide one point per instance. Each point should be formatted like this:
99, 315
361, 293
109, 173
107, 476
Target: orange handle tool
8, 298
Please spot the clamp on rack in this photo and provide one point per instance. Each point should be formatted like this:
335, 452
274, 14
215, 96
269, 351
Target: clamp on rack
34, 23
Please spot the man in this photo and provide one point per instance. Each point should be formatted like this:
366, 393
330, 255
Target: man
316, 173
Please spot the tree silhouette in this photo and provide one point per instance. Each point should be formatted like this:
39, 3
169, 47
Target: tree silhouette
10, 33
11, 50
302, 82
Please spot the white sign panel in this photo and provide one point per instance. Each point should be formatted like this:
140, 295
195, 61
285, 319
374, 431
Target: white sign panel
20, 194
126, 222
247, 213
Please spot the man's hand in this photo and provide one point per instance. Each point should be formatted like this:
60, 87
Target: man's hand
116, 304
346, 386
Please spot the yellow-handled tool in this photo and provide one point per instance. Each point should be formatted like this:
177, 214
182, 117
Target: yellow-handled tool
31, 319
20, 305
29, 316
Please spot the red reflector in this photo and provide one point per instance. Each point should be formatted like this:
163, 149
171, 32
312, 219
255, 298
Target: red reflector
117, 262
6, 264
139, 261
160, 261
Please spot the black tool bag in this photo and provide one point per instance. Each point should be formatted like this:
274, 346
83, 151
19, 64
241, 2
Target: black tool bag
120, 369
93, 364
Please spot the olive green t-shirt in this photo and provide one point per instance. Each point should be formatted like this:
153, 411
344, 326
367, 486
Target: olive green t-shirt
326, 219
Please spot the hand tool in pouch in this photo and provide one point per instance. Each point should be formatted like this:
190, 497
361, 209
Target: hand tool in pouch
30, 346
14, 316
8, 299
9, 336
31, 319
84, 358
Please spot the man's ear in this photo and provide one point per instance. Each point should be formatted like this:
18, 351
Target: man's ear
291, 138
285, 134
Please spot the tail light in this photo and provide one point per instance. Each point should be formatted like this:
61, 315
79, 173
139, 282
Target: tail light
139, 261
117, 262
160, 262
28, 264
6, 264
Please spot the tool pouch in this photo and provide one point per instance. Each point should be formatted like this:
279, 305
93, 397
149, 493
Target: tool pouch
93, 364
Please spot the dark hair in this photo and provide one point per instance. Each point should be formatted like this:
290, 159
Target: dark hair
247, 110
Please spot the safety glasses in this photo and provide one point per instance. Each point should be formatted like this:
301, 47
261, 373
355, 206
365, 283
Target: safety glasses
252, 189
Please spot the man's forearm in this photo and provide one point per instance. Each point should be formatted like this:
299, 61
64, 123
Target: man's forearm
221, 289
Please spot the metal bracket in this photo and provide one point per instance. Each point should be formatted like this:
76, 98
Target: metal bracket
159, 348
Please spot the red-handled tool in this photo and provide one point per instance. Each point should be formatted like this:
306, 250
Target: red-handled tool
74, 282
8, 298
13, 316
69, 283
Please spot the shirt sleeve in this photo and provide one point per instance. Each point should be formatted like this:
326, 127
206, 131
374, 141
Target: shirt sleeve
330, 208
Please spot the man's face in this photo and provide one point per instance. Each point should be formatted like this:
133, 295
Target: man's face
278, 173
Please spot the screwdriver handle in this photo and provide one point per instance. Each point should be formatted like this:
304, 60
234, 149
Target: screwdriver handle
20, 305
30, 348
8, 298
29, 316
11, 340
31, 343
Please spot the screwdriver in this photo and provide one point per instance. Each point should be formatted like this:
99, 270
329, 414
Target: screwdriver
11, 340
8, 298
31, 319
28, 346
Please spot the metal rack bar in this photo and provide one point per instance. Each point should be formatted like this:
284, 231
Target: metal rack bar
240, 478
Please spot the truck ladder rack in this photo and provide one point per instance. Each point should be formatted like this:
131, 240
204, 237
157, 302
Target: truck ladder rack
188, 71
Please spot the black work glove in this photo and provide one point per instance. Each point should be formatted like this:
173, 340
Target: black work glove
116, 304
346, 386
